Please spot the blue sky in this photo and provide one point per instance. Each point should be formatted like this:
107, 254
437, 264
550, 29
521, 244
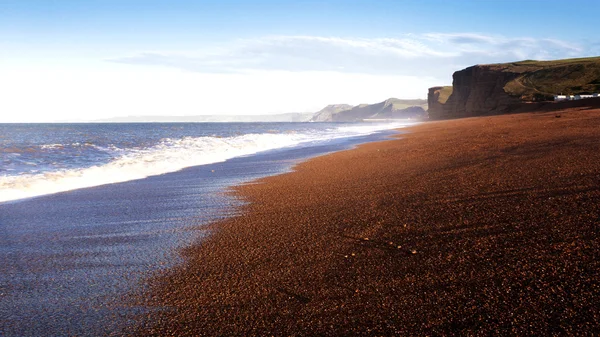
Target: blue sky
95, 59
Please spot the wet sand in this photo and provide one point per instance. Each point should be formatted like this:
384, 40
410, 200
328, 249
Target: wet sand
473, 226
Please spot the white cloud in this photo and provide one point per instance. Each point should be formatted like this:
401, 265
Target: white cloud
434, 54
61, 93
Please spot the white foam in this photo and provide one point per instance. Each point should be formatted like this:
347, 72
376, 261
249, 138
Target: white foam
51, 146
169, 155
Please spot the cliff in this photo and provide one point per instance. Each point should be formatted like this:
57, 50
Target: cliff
436, 98
479, 90
326, 114
392, 108
501, 88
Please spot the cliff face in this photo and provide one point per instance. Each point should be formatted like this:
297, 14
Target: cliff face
412, 112
326, 114
476, 91
479, 90
392, 108
436, 99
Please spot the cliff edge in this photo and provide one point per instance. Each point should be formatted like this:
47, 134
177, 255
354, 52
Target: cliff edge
392, 108
436, 98
326, 114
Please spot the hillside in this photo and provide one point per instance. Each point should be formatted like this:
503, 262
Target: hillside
326, 114
542, 79
503, 87
436, 98
391, 108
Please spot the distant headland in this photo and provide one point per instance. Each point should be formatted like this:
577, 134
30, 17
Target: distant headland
391, 108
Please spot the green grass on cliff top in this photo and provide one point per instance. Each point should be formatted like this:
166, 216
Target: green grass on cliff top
543, 79
445, 93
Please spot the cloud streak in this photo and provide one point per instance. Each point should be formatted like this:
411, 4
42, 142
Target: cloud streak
435, 54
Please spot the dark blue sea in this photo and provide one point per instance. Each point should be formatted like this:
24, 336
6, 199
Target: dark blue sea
89, 211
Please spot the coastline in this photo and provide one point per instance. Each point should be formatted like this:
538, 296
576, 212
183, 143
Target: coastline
480, 225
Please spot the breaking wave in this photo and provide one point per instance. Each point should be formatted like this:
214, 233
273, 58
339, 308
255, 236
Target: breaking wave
169, 155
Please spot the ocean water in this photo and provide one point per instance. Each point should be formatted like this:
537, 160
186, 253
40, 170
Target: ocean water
39, 159
88, 211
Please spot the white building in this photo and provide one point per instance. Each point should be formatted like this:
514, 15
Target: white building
578, 97
560, 97
574, 97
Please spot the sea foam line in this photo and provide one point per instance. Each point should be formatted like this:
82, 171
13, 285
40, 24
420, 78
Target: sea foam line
170, 155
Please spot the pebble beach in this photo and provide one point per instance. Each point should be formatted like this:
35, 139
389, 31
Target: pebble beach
483, 225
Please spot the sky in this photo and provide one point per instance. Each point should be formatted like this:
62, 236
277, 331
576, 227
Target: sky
75, 60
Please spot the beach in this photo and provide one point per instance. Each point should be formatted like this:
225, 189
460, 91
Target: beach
483, 225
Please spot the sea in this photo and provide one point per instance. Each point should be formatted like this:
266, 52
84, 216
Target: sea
88, 212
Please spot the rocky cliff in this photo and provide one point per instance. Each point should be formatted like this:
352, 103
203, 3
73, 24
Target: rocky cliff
501, 88
326, 114
436, 98
479, 90
392, 108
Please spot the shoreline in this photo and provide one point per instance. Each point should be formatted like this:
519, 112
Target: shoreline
484, 224
83, 253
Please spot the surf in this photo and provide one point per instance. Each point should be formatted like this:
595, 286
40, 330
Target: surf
166, 156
